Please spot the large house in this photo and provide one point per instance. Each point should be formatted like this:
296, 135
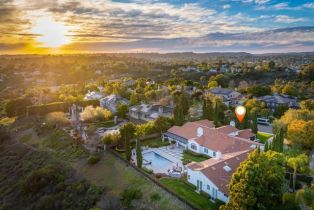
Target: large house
93, 95
275, 100
110, 102
148, 112
228, 96
227, 145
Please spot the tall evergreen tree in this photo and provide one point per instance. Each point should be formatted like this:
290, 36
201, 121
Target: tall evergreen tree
139, 158
127, 132
266, 147
254, 123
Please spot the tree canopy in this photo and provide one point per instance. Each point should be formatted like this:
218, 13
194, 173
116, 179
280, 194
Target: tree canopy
257, 182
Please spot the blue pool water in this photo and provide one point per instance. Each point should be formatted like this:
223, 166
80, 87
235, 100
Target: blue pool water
158, 162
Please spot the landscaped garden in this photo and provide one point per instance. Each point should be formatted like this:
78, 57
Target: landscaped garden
155, 142
189, 156
263, 137
187, 192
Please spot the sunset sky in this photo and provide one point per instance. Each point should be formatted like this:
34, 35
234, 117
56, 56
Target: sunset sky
67, 26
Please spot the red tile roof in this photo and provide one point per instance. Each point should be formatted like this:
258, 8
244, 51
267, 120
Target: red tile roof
214, 170
246, 134
227, 129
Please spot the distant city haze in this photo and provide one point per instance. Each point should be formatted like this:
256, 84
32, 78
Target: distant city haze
124, 26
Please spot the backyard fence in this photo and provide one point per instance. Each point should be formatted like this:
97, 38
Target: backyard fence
153, 179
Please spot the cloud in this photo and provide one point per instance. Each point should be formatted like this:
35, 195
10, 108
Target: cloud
286, 39
287, 19
309, 5
226, 6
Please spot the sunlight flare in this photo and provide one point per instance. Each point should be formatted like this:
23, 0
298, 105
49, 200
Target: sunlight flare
51, 34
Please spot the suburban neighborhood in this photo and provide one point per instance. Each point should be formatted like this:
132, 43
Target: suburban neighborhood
156, 105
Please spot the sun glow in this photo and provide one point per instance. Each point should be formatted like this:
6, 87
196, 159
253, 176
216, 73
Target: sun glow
51, 34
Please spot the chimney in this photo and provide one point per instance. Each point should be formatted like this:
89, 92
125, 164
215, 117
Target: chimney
218, 155
199, 132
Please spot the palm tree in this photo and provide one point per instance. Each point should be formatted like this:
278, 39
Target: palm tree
298, 163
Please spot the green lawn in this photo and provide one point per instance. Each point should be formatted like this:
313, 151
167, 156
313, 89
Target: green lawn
188, 193
115, 176
189, 157
154, 143
263, 137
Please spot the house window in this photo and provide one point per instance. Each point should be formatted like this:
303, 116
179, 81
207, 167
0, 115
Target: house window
208, 187
189, 176
205, 150
214, 154
193, 146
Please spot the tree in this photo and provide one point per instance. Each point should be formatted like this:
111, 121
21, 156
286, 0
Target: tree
208, 108
17, 106
219, 111
259, 90
181, 108
95, 114
305, 197
256, 106
277, 143
162, 124
280, 110
291, 115
266, 147
134, 99
308, 72
257, 182
307, 104
301, 132
254, 124
212, 84
299, 163
127, 132
139, 158
54, 119
122, 110
289, 89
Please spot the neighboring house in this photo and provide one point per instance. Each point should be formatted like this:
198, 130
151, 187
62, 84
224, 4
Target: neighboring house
110, 102
229, 97
93, 95
227, 145
190, 69
275, 100
129, 82
147, 112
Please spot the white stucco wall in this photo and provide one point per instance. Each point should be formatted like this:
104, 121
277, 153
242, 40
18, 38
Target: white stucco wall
207, 186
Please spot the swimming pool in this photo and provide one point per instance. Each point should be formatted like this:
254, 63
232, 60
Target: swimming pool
157, 162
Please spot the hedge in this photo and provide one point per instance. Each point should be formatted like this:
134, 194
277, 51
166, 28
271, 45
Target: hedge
57, 106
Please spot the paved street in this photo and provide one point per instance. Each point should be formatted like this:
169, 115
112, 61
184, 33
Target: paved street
265, 128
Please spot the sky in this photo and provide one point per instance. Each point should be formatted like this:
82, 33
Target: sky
95, 26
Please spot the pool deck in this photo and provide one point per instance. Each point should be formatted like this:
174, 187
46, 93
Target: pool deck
174, 155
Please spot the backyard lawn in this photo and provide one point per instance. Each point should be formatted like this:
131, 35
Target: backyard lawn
188, 193
154, 143
115, 176
263, 137
189, 157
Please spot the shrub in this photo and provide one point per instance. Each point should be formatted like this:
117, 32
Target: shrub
131, 194
111, 138
154, 197
93, 159
56, 118
92, 114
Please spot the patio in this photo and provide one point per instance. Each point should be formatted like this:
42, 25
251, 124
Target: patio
166, 160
